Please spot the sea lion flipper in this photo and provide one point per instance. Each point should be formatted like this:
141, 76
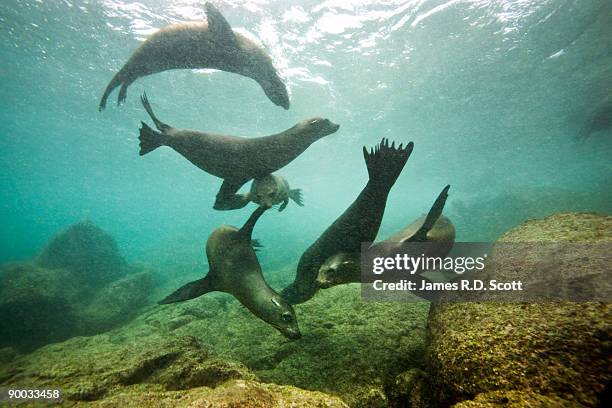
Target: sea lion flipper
296, 196
218, 25
283, 205
161, 126
191, 290
256, 244
434, 213
227, 199
385, 163
247, 228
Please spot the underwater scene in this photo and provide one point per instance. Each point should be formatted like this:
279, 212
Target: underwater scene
208, 203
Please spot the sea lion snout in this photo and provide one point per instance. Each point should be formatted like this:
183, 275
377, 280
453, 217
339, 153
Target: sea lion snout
292, 334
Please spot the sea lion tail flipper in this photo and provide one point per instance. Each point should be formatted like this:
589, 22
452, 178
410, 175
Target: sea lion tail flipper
218, 25
149, 139
161, 126
385, 163
432, 216
296, 195
191, 290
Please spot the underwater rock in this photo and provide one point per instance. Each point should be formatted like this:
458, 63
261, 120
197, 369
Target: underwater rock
516, 399
115, 370
557, 349
237, 393
116, 302
409, 389
486, 217
36, 305
86, 250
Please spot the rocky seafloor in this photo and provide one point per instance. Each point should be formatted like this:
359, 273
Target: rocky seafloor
211, 352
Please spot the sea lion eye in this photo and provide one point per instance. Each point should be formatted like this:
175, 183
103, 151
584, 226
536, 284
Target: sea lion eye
276, 303
312, 122
287, 318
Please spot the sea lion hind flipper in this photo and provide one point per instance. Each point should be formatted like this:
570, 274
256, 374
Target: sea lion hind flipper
149, 139
161, 126
191, 290
432, 216
218, 25
385, 163
296, 196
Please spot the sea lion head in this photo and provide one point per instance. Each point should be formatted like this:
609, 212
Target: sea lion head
337, 269
281, 315
265, 191
317, 127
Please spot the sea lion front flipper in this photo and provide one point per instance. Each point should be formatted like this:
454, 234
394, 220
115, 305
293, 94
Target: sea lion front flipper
434, 213
191, 290
247, 228
283, 205
218, 26
227, 199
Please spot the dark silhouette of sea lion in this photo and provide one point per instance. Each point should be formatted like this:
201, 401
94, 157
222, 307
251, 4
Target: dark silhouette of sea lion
234, 159
346, 267
210, 44
599, 121
234, 269
359, 223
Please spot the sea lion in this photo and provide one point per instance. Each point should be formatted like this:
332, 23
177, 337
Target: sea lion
599, 121
359, 223
210, 44
273, 189
234, 159
234, 269
345, 267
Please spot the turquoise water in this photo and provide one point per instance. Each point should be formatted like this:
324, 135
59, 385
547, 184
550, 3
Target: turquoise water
493, 93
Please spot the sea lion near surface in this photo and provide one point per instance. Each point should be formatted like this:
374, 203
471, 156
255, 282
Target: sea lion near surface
234, 159
234, 269
359, 223
211, 44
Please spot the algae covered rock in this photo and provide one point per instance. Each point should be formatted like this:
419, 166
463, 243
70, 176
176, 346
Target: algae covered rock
87, 251
116, 302
561, 350
136, 369
236, 393
36, 305
517, 399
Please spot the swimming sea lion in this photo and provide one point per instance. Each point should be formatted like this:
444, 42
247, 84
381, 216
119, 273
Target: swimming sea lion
234, 269
359, 223
210, 44
273, 189
345, 267
234, 159
599, 121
